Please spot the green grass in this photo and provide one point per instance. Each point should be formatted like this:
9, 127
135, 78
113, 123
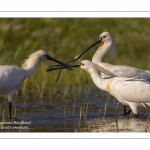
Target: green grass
63, 38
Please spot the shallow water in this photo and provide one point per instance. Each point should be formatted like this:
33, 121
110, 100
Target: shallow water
94, 111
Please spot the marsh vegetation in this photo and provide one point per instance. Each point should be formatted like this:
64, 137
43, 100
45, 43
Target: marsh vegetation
73, 103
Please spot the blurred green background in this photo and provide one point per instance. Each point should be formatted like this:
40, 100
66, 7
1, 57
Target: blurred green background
63, 38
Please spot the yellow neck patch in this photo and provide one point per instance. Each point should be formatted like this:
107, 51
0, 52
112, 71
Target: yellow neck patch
101, 43
108, 88
87, 72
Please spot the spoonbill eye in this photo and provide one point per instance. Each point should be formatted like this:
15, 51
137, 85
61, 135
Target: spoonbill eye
104, 36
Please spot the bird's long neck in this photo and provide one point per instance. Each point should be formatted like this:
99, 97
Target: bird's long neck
29, 66
102, 50
101, 83
99, 54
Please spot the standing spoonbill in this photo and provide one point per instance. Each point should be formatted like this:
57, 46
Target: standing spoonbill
12, 76
107, 43
128, 91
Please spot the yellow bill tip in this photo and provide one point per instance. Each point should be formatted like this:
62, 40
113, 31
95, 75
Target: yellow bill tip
76, 57
45, 67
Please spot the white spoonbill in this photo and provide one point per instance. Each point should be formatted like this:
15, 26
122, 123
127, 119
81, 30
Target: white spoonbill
128, 91
107, 43
12, 76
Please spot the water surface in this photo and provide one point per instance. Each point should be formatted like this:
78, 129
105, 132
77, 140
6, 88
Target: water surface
92, 111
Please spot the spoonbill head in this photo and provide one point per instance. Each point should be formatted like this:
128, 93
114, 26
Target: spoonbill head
39, 56
106, 42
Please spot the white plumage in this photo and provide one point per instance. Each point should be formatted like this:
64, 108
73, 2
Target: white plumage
128, 91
